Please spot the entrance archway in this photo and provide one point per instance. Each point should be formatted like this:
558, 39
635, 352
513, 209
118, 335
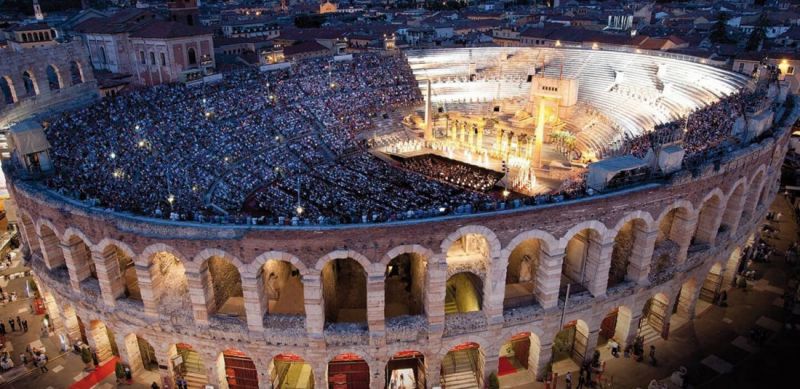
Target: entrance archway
344, 290
29, 81
291, 371
569, 345
170, 286
282, 288
624, 242
712, 284
348, 371
576, 270
519, 358
102, 339
239, 370
706, 226
7, 90
464, 293
668, 240
148, 354
53, 78
189, 365
75, 72
615, 325
406, 370
523, 264
463, 365
126, 284
404, 286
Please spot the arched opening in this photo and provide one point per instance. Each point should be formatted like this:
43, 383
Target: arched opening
519, 359
102, 340
189, 366
29, 230
238, 370
344, 290
732, 267
170, 286
684, 305
125, 285
667, 241
29, 81
464, 293
192, 56
291, 371
406, 369
53, 78
523, 263
706, 227
462, 367
627, 238
281, 286
653, 323
223, 285
576, 270
51, 249
7, 89
569, 346
752, 197
762, 197
733, 209
712, 285
615, 326
348, 371
75, 73
467, 250
147, 354
405, 286
103, 59
84, 271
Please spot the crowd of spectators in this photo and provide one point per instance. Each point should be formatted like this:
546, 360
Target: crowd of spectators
187, 152
453, 172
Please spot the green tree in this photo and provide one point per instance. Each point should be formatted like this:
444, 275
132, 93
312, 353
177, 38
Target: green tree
719, 33
758, 34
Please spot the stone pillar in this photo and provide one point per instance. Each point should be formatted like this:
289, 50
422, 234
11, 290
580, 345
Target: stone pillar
598, 264
145, 277
78, 263
543, 359
252, 303
494, 292
320, 376
377, 372
163, 357
52, 252
215, 368
733, 211
548, 278
625, 325
435, 286
129, 352
197, 295
314, 305
633, 328
708, 222
375, 307
207, 286
53, 311
71, 326
97, 337
681, 233
591, 342
491, 359
108, 275
434, 370
641, 255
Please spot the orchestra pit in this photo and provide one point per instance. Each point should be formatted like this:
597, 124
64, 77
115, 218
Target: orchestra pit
421, 218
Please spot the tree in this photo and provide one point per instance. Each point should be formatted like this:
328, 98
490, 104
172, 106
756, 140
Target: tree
719, 33
758, 34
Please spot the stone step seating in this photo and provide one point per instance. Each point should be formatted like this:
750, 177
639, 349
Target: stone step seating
649, 334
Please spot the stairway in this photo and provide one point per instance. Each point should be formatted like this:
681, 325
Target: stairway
649, 334
450, 306
457, 371
195, 373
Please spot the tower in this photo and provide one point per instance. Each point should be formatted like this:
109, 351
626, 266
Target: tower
37, 10
184, 11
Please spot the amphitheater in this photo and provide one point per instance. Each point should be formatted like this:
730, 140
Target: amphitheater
442, 301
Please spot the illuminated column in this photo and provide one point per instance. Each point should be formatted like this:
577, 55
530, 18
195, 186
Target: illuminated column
428, 114
537, 151
479, 142
470, 136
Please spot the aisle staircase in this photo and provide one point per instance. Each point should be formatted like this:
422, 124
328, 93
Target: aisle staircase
458, 371
450, 306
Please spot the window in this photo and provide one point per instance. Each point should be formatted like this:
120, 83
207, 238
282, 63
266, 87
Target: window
192, 57
152, 58
141, 58
790, 70
741, 67
163, 60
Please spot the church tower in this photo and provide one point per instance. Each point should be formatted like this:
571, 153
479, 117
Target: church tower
37, 10
184, 11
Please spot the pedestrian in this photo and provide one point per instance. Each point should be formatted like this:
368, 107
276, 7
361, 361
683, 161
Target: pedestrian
723, 299
128, 374
43, 362
95, 359
154, 385
568, 378
652, 355
23, 358
19, 322
25, 325
581, 379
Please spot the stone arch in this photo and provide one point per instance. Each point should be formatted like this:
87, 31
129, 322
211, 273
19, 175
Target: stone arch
280, 283
406, 368
29, 82
76, 73
255, 266
343, 276
616, 325
117, 259
45, 222
734, 206
28, 231
193, 366
520, 353
236, 370
81, 266
54, 80
221, 280
674, 235
708, 217
687, 297
492, 242
655, 316
471, 351
191, 54
630, 253
522, 259
169, 284
139, 353
102, 340
755, 186
7, 90
571, 342
50, 243
712, 283
405, 280
584, 258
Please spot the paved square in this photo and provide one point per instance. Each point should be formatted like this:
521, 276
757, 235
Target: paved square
727, 320
772, 325
57, 368
717, 364
742, 343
